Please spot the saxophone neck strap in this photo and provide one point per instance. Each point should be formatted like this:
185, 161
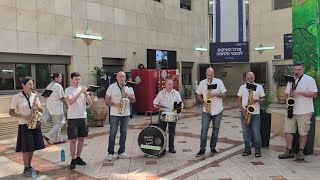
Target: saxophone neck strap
119, 87
294, 85
27, 99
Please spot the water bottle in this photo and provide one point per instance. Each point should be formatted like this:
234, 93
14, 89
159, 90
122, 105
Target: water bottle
34, 174
63, 157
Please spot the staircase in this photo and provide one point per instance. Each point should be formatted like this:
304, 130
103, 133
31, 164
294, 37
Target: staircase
9, 126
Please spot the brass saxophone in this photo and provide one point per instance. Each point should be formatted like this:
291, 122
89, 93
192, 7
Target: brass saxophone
290, 102
250, 108
124, 102
208, 100
35, 113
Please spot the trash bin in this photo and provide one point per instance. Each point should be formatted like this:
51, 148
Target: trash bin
308, 149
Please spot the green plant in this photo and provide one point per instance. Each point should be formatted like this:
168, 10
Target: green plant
268, 100
97, 72
91, 113
278, 78
315, 76
187, 91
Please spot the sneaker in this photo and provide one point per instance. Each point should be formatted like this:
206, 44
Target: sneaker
80, 162
287, 154
201, 153
110, 157
27, 171
123, 156
300, 156
46, 139
214, 151
73, 164
34, 169
172, 150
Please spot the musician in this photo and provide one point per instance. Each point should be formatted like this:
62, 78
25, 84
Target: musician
28, 140
165, 101
305, 91
55, 104
114, 94
76, 97
216, 108
254, 126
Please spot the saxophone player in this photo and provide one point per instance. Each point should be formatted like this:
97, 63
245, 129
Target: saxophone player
215, 109
116, 96
252, 125
305, 91
28, 140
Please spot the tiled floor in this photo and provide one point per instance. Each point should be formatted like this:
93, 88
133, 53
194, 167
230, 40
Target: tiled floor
227, 164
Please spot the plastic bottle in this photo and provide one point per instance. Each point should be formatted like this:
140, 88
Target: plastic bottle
34, 174
63, 157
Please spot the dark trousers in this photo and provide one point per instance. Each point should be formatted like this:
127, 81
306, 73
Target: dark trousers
172, 131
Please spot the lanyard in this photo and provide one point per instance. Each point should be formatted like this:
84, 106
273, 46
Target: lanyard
26, 98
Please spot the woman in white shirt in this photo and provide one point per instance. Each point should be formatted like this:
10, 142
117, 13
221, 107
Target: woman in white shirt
28, 140
55, 107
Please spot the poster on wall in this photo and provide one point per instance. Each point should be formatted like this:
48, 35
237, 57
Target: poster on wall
229, 52
287, 49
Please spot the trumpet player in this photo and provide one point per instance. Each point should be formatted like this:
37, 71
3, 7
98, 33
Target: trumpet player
305, 90
212, 109
249, 103
119, 97
28, 140
76, 97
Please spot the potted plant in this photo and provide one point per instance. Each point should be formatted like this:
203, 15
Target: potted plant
279, 79
99, 106
187, 94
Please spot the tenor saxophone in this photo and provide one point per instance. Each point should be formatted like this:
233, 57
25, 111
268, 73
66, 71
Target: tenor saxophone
124, 102
35, 113
208, 100
250, 107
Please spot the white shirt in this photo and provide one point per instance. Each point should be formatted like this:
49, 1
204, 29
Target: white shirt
244, 93
78, 108
303, 105
21, 105
164, 98
216, 103
115, 93
54, 103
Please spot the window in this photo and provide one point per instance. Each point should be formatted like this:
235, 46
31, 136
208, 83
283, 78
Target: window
281, 4
10, 75
158, 0
186, 73
185, 4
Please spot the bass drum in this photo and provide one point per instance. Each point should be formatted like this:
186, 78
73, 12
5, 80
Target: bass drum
152, 140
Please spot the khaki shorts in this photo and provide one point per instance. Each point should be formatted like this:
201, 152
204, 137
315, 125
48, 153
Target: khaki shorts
301, 120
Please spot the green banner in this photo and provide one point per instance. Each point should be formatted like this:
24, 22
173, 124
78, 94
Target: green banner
143, 146
305, 35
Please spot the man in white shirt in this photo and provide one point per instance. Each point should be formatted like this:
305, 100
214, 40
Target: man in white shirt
215, 110
76, 98
115, 93
305, 91
165, 101
55, 107
254, 126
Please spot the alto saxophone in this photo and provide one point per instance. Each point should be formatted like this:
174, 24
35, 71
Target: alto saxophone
208, 100
124, 102
250, 108
35, 113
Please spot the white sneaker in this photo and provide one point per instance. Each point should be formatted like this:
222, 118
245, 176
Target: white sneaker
123, 156
110, 157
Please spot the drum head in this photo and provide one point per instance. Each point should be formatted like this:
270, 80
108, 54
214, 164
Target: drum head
152, 140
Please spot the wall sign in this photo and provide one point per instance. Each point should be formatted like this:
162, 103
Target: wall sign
287, 49
229, 52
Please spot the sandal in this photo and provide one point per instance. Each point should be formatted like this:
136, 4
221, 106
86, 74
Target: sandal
257, 154
246, 153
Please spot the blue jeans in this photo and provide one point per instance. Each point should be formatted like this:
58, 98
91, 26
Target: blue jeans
206, 119
254, 128
114, 123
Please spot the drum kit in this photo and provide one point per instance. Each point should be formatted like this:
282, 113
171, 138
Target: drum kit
152, 140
